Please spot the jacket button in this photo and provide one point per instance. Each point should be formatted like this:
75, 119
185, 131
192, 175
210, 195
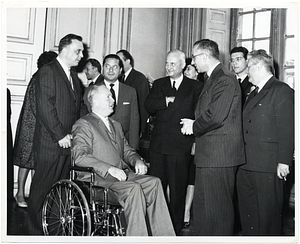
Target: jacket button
246, 131
249, 120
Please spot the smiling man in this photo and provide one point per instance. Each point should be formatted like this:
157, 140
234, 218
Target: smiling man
126, 110
171, 98
58, 105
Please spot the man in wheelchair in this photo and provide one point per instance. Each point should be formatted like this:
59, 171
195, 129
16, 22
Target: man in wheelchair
99, 142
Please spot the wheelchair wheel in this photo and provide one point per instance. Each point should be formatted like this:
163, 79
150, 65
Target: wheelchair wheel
66, 211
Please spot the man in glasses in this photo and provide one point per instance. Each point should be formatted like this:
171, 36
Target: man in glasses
219, 142
238, 61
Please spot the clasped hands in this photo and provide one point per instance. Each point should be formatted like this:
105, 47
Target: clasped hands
140, 169
66, 141
187, 126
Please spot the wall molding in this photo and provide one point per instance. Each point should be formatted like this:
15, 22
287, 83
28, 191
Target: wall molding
55, 27
29, 26
19, 67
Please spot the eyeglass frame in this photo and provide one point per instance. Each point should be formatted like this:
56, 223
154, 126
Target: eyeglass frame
237, 59
194, 56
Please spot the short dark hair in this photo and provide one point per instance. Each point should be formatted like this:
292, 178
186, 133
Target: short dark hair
115, 56
210, 46
67, 40
95, 63
262, 56
46, 57
240, 50
127, 55
188, 61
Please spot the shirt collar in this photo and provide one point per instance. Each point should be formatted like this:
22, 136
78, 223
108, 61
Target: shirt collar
64, 66
262, 83
94, 80
107, 84
242, 77
104, 119
127, 73
177, 81
212, 69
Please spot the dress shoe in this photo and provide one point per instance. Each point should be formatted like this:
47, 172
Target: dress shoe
21, 204
186, 224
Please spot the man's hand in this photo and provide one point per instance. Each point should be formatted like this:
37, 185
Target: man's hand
140, 167
282, 170
187, 126
66, 141
169, 100
117, 173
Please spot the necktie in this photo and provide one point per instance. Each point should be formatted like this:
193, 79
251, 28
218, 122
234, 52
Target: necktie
92, 83
70, 80
113, 93
251, 95
239, 79
106, 122
174, 87
205, 78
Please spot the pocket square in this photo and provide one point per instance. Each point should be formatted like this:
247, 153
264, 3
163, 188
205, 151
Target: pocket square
126, 103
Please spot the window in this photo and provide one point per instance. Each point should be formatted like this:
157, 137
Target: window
254, 34
270, 29
290, 47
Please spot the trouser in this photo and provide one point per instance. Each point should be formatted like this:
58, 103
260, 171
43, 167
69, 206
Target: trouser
173, 172
142, 195
213, 201
48, 170
260, 197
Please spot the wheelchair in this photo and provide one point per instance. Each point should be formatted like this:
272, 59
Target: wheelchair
77, 208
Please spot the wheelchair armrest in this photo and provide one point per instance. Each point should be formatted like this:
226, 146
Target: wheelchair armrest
84, 169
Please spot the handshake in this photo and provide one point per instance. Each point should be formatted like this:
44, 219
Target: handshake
187, 126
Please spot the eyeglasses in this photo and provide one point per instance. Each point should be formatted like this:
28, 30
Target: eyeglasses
194, 56
238, 59
108, 67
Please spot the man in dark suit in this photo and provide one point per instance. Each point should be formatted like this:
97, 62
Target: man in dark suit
268, 121
99, 142
92, 70
126, 105
139, 82
58, 105
238, 61
171, 98
219, 142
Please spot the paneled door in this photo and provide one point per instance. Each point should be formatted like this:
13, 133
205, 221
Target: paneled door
25, 28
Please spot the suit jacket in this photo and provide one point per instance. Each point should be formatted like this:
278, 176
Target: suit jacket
269, 127
94, 146
245, 86
218, 124
58, 107
140, 83
167, 137
87, 89
127, 114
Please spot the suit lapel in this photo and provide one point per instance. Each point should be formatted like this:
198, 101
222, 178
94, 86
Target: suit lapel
110, 136
65, 78
259, 96
183, 91
121, 97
